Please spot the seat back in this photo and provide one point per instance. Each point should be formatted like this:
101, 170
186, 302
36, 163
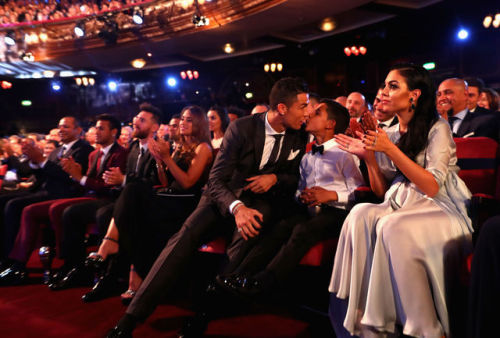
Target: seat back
477, 159
3, 171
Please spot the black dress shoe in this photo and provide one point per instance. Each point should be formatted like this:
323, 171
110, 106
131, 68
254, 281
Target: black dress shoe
106, 287
13, 276
240, 285
74, 277
117, 332
194, 327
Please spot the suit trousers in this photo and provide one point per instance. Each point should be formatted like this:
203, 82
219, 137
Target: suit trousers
12, 215
75, 220
204, 224
282, 248
33, 217
5, 197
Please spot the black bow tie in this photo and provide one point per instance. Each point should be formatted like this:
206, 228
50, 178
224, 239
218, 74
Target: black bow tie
318, 149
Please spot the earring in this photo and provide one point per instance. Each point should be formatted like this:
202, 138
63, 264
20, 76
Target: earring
412, 105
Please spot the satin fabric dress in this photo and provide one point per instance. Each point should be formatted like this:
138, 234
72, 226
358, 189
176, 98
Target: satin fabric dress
394, 259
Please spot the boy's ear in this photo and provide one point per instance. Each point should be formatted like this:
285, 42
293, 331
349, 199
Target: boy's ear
330, 124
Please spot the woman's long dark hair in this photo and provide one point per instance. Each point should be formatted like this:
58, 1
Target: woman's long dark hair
425, 115
224, 118
200, 131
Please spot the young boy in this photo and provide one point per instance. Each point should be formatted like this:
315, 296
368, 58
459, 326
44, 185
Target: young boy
328, 178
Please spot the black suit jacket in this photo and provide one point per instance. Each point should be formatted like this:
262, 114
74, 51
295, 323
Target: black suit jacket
479, 124
55, 180
239, 158
147, 172
116, 157
481, 111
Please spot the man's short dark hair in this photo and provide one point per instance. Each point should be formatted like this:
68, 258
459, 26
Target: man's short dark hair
175, 116
113, 123
148, 107
286, 90
474, 82
76, 122
337, 112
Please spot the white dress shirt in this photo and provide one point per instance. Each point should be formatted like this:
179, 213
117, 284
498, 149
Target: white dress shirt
266, 152
387, 123
460, 117
335, 170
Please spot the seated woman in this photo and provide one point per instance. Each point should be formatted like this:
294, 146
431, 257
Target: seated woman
217, 124
144, 219
389, 269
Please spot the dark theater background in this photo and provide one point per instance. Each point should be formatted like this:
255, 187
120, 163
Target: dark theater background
230, 60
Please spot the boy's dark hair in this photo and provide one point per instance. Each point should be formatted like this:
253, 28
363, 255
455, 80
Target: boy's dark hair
148, 107
236, 111
113, 123
54, 142
337, 112
286, 90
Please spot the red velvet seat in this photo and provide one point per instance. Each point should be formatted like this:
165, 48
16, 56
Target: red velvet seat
3, 171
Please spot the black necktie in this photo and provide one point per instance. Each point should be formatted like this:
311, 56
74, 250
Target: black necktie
451, 121
141, 153
274, 151
318, 149
63, 151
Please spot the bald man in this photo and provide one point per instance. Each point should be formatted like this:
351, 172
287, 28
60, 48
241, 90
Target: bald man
356, 105
342, 100
452, 96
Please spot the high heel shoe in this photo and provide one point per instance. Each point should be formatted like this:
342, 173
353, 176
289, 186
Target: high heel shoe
96, 261
127, 297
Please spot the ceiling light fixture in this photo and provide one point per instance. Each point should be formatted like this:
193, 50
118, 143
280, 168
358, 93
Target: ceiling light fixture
138, 63
228, 48
327, 25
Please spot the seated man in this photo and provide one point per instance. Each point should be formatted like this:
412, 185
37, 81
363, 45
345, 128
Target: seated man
328, 178
109, 154
253, 180
52, 181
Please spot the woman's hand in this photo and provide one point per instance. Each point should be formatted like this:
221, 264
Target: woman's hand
352, 145
160, 149
377, 141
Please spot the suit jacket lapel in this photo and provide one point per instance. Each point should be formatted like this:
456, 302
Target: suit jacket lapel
465, 125
285, 148
93, 168
132, 158
104, 162
259, 138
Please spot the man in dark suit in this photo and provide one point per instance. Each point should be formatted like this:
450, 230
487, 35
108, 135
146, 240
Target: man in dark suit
452, 97
474, 87
138, 167
251, 183
384, 119
36, 214
52, 181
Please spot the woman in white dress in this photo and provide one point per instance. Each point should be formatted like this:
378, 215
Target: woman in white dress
218, 121
389, 270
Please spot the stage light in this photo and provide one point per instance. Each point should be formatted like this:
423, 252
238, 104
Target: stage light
78, 81
91, 81
149, 55
228, 48
79, 29
172, 82
85, 81
279, 67
273, 67
138, 16
10, 38
26, 103
112, 85
249, 95
56, 86
138, 63
43, 37
183, 75
462, 34
327, 25
266, 67
429, 65
6, 84
355, 50
487, 21
347, 51
49, 73
196, 74
362, 50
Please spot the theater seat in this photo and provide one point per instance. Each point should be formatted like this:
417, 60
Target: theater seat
3, 171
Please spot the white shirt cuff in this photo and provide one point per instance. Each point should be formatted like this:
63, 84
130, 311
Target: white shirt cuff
38, 165
232, 205
83, 180
342, 198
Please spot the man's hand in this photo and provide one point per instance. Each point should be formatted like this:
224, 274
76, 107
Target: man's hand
246, 221
113, 176
261, 183
73, 169
317, 195
34, 154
